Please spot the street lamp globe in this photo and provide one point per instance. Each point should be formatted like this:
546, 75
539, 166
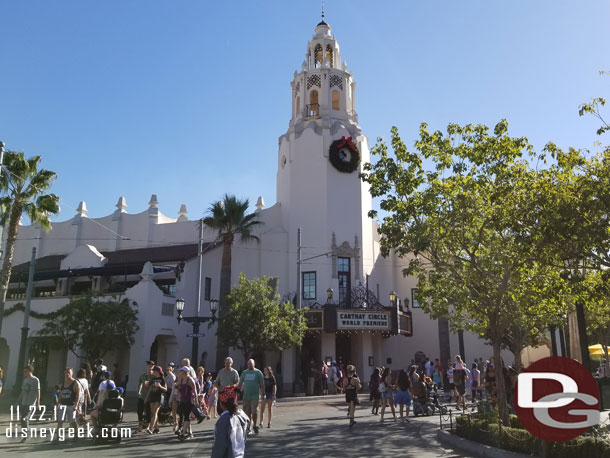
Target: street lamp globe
393, 297
329, 293
180, 305
213, 305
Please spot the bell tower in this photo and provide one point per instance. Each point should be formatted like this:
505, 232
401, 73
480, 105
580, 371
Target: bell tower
319, 160
323, 87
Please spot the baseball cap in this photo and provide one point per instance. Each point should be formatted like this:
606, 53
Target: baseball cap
150, 363
184, 369
171, 364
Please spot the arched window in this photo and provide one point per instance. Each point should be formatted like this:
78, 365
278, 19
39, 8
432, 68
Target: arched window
313, 109
335, 100
298, 106
317, 55
329, 55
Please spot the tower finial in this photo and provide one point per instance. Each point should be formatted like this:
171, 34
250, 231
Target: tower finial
322, 10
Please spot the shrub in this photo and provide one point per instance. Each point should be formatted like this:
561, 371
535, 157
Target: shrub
516, 439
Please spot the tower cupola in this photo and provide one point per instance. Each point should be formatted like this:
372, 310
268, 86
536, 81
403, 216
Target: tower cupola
324, 88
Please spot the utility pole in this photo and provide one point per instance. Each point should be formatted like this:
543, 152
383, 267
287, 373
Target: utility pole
1, 162
195, 349
298, 377
26, 319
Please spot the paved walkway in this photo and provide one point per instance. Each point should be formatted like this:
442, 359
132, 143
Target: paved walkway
307, 428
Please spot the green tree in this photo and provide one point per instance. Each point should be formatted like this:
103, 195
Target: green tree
595, 293
230, 218
257, 321
90, 326
25, 188
469, 229
594, 108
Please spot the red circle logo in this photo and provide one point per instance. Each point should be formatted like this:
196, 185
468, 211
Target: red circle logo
557, 399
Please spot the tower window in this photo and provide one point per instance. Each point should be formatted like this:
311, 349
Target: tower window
313, 109
335, 100
298, 106
329, 54
317, 54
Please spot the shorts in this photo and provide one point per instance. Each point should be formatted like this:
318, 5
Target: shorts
452, 386
461, 389
68, 415
387, 394
402, 398
250, 406
268, 396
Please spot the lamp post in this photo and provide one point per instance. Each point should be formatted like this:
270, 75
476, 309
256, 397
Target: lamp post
196, 321
393, 298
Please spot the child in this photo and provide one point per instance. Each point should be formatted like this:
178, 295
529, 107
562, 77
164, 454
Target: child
212, 400
206, 386
351, 385
56, 394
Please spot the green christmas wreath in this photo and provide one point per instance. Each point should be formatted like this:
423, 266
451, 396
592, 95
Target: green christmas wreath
344, 155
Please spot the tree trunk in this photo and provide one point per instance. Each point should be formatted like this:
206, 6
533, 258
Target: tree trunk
445, 348
518, 363
222, 350
500, 385
517, 348
5, 275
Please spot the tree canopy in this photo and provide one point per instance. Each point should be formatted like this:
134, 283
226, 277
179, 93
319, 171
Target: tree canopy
91, 326
467, 221
256, 320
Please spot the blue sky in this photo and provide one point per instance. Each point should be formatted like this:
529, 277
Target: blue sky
186, 99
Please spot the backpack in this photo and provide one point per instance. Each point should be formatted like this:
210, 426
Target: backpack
339, 373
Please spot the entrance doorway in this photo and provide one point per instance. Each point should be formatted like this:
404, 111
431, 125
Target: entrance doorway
343, 347
311, 354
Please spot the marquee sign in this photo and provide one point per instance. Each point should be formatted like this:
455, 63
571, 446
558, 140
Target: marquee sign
364, 321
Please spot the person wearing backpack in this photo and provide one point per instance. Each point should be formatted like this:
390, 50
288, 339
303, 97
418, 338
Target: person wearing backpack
459, 379
351, 385
324, 379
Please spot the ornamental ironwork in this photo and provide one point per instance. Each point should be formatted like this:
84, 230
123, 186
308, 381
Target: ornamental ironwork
336, 80
361, 298
314, 80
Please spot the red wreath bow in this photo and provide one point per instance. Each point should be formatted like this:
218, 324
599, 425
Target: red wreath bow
346, 141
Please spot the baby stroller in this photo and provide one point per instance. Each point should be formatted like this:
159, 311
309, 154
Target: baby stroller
422, 402
111, 414
164, 416
433, 401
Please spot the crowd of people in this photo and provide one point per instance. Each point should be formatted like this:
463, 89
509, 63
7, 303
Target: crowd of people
184, 394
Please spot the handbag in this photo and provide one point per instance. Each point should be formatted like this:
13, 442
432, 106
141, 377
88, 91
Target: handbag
382, 387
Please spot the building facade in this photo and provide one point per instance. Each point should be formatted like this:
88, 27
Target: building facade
149, 259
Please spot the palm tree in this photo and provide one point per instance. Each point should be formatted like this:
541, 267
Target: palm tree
230, 219
24, 187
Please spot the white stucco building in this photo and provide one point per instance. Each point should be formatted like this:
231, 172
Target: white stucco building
150, 259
